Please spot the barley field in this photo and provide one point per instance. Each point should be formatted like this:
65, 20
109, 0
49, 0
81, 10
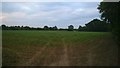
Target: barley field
58, 48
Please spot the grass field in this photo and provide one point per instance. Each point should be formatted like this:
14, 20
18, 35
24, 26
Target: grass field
58, 48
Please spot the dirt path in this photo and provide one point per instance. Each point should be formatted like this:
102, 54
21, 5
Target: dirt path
64, 59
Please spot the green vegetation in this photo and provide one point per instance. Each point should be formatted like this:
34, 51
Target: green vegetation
95, 25
110, 13
30, 48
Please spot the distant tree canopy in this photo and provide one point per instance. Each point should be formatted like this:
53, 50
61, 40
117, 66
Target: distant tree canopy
94, 25
46, 28
97, 25
53, 28
50, 28
110, 12
80, 28
4, 27
70, 27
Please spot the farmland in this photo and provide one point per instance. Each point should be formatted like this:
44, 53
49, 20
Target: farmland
58, 48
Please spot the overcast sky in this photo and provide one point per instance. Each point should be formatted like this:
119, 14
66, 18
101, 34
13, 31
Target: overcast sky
39, 14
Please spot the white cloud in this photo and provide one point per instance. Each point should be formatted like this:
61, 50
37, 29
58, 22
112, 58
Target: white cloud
51, 14
2, 17
15, 15
54, 0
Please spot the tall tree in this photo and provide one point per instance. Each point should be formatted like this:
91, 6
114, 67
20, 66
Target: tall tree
80, 28
97, 25
110, 12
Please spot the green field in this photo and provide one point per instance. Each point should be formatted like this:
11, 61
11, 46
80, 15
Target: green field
58, 48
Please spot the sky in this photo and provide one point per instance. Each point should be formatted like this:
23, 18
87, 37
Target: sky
40, 14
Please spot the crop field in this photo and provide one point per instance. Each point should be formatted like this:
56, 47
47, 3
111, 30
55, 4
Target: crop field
58, 48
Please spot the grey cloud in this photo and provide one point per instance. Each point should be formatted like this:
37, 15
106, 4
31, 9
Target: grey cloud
60, 14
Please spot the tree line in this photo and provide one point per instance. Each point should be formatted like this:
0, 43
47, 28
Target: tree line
94, 25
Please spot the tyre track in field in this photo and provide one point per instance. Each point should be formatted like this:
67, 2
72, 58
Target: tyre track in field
90, 51
64, 59
35, 56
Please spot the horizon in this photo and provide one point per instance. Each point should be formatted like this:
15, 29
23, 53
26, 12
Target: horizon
47, 25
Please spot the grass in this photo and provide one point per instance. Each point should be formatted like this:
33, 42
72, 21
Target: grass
39, 48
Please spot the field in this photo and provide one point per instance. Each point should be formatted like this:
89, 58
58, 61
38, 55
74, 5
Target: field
58, 48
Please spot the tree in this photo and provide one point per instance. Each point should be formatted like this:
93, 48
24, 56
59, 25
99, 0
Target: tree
71, 28
97, 25
3, 27
55, 28
46, 28
110, 12
26, 27
80, 28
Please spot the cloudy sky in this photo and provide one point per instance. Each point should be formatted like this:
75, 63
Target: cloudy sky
39, 14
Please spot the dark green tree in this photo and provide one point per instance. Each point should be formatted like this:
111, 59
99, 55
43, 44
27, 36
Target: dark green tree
70, 27
80, 28
27, 28
4, 27
46, 28
97, 25
110, 12
55, 28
